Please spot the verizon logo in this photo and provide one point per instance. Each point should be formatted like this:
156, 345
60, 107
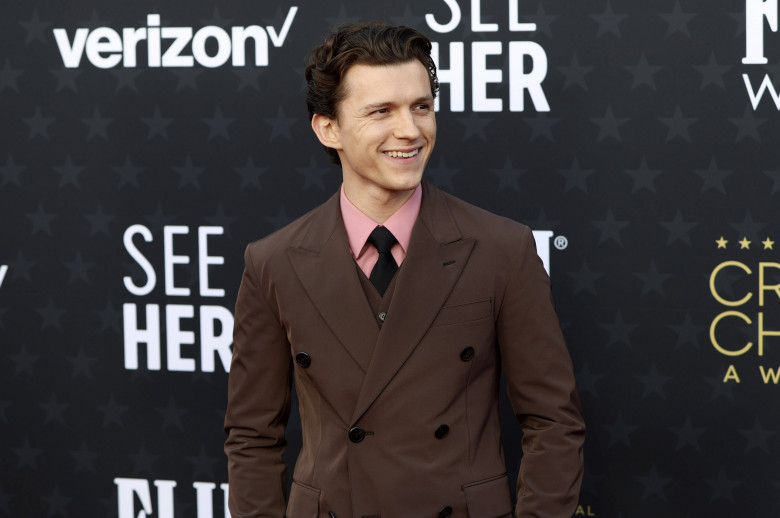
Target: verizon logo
168, 47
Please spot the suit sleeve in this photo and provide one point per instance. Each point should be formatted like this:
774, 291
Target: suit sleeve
541, 388
258, 401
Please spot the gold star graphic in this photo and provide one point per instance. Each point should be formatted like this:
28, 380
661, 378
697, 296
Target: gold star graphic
721, 242
745, 244
768, 244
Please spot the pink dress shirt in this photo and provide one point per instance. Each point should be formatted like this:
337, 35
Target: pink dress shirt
359, 226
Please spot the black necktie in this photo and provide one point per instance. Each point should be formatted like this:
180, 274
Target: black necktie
385, 266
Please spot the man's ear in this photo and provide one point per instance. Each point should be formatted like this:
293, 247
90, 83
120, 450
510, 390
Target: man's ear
327, 131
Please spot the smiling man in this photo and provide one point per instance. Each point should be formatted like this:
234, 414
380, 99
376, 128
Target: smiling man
395, 306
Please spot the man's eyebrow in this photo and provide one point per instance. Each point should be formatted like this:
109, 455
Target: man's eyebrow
382, 104
374, 106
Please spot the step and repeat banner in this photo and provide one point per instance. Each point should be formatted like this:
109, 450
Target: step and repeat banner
144, 144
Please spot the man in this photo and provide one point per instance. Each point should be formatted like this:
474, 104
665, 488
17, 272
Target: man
395, 305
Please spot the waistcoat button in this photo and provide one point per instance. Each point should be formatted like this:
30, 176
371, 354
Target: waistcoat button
442, 431
467, 354
303, 359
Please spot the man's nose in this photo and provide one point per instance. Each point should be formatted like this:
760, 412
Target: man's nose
406, 126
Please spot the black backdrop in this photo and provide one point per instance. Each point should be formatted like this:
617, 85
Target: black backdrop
646, 148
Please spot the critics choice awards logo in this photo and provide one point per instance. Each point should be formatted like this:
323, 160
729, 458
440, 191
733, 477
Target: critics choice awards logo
745, 285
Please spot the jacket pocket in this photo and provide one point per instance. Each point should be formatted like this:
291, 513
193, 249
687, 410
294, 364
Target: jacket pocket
463, 313
304, 501
489, 498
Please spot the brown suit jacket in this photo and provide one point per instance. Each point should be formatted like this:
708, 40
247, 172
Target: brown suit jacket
470, 298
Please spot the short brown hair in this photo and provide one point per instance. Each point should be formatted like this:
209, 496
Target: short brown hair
372, 43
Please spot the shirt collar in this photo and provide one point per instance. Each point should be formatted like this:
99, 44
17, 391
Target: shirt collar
359, 226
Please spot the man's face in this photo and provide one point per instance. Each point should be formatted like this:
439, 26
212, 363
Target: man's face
386, 127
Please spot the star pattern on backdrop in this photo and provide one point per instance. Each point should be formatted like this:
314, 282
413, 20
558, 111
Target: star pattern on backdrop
775, 177
11, 172
653, 484
651, 161
26, 455
757, 437
688, 332
678, 125
712, 73
677, 21
280, 125
620, 432
576, 177
157, 124
609, 21
609, 228
653, 280
99, 221
574, 73
35, 28
609, 125
748, 125
722, 487
128, 173
643, 72
218, 125
585, 279
543, 20
541, 126
186, 79
69, 173
57, 502
713, 177
441, 174
748, 228
619, 330
508, 176
38, 124
474, 126
189, 173
250, 173
125, 79
97, 124
679, 229
653, 382
78, 269
313, 174
9, 77
644, 177
687, 435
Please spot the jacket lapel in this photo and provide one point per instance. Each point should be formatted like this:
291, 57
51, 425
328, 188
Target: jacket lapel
326, 269
435, 259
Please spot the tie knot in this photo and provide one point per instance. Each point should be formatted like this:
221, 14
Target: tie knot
382, 239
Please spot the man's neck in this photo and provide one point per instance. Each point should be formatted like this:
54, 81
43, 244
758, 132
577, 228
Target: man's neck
378, 204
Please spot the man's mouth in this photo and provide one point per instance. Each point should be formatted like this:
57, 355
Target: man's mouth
402, 154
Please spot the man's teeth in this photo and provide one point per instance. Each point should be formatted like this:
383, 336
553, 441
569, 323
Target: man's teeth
397, 154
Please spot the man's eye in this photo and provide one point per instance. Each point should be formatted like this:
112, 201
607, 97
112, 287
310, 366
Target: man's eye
381, 110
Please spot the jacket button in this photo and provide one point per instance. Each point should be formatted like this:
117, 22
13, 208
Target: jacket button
303, 359
356, 434
442, 431
445, 512
467, 354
